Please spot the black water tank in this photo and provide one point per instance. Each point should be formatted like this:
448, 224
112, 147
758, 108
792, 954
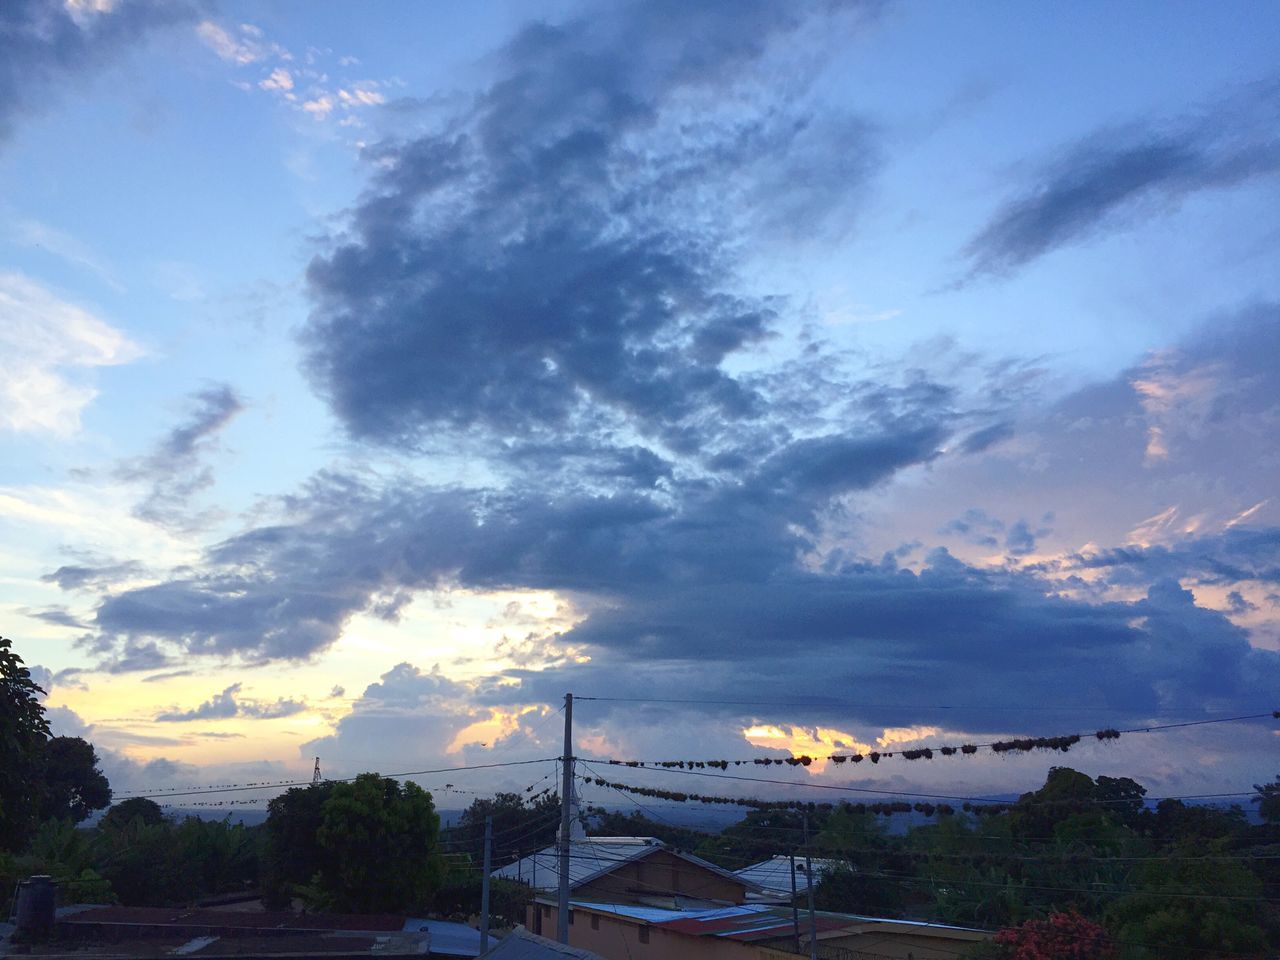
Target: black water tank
34, 920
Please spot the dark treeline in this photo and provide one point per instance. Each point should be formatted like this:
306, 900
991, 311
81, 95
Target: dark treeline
1170, 881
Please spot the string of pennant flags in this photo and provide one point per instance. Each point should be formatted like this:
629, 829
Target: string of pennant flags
1061, 743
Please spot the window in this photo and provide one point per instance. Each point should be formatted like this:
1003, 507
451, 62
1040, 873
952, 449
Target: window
595, 922
644, 934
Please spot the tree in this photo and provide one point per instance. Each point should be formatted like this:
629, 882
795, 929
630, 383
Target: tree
1268, 800
1187, 907
518, 825
23, 732
378, 840
73, 786
292, 856
1062, 936
125, 812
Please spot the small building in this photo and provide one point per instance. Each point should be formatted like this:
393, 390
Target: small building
774, 875
637, 870
753, 931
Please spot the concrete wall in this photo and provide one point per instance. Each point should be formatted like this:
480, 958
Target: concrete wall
618, 938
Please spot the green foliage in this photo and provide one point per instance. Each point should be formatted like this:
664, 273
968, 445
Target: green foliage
126, 811
174, 864
379, 839
759, 835
23, 732
1081, 806
606, 823
458, 899
519, 826
847, 889
292, 854
1268, 800
72, 785
1183, 908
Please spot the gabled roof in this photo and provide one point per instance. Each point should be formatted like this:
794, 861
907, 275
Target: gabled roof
774, 874
597, 856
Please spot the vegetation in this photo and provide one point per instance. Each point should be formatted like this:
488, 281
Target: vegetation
1081, 868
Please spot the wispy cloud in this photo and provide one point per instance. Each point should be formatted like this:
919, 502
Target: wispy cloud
174, 469
33, 233
308, 86
1116, 176
48, 345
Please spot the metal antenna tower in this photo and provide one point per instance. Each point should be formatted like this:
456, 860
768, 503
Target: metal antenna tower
315, 776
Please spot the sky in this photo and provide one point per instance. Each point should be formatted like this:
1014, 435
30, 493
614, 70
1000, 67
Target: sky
857, 374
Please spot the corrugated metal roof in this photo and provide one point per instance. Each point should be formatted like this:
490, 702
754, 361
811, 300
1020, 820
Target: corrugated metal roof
452, 939
749, 921
774, 874
520, 944
594, 857
588, 859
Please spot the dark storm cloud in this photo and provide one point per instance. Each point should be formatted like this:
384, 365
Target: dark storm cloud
46, 45
174, 469
557, 257
229, 703
1234, 555
1118, 175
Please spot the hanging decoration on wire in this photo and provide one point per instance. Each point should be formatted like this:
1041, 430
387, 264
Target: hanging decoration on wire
883, 809
1060, 743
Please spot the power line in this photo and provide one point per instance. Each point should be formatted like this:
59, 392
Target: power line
988, 801
131, 795
860, 705
1061, 742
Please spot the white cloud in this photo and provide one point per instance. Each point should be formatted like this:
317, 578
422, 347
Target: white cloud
362, 95
246, 46
44, 339
280, 79
320, 107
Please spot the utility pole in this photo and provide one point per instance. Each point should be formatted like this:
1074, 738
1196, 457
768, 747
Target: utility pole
795, 901
484, 886
808, 874
566, 793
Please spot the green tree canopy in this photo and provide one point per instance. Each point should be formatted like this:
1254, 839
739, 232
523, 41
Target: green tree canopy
379, 842
125, 812
72, 785
23, 732
519, 825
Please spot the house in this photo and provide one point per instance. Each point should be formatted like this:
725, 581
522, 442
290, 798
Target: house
753, 931
631, 870
774, 875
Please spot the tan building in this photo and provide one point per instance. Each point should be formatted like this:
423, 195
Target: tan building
748, 932
632, 870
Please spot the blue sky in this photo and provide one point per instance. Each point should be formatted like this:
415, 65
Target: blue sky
377, 375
